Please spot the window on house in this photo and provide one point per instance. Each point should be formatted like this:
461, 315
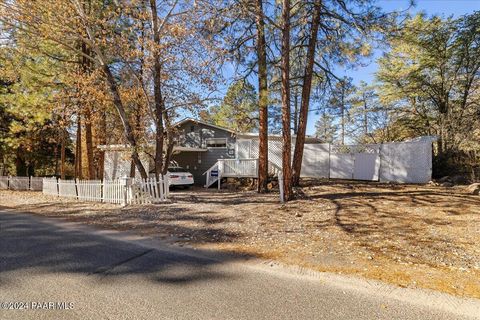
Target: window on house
216, 142
192, 128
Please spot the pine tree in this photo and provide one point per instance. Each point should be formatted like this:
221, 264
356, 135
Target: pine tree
325, 128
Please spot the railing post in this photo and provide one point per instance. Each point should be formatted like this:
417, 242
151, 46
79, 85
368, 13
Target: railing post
219, 175
209, 172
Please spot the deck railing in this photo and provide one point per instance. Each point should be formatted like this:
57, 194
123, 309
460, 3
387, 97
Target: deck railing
238, 168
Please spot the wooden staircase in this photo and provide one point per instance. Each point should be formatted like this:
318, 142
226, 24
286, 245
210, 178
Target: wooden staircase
212, 175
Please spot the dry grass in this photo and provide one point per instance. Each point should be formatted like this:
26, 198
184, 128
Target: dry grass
413, 236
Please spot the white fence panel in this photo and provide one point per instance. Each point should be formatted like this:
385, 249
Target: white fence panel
248, 149
243, 147
36, 183
114, 191
19, 183
406, 162
367, 166
316, 161
89, 190
3, 183
150, 190
341, 166
50, 186
67, 188
403, 162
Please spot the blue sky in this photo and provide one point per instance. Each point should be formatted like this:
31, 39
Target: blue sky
366, 73
443, 8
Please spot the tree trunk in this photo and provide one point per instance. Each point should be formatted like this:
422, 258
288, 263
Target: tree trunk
62, 155
78, 149
285, 65
306, 90
89, 145
262, 99
295, 112
170, 144
103, 141
117, 101
55, 152
342, 110
132, 169
159, 103
365, 116
168, 156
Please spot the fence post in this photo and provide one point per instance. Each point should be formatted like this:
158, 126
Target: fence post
76, 188
166, 186
126, 183
280, 186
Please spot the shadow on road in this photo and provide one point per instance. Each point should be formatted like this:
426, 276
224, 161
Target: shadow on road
33, 244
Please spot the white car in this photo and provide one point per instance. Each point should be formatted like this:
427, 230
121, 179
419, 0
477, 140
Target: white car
178, 176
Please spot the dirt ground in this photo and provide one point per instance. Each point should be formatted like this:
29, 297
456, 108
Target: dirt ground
409, 235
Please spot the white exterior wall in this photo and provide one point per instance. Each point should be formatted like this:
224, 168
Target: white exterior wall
117, 165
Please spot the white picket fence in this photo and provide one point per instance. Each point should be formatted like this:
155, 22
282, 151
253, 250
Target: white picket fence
50, 186
117, 191
121, 191
21, 183
67, 188
89, 190
150, 190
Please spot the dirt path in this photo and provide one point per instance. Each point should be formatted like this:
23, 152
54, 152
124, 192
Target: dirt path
412, 236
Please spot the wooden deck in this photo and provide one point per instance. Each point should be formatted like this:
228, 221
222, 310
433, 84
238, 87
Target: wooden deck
236, 168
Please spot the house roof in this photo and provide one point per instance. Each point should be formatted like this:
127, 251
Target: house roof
189, 149
204, 123
241, 135
244, 135
254, 135
113, 147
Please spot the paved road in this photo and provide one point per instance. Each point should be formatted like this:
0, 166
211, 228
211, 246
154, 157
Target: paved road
117, 276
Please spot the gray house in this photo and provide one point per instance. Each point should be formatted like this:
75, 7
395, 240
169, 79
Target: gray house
200, 145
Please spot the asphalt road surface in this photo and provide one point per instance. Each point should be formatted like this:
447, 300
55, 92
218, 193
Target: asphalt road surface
52, 269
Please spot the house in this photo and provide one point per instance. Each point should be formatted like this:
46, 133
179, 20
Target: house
200, 145
210, 152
